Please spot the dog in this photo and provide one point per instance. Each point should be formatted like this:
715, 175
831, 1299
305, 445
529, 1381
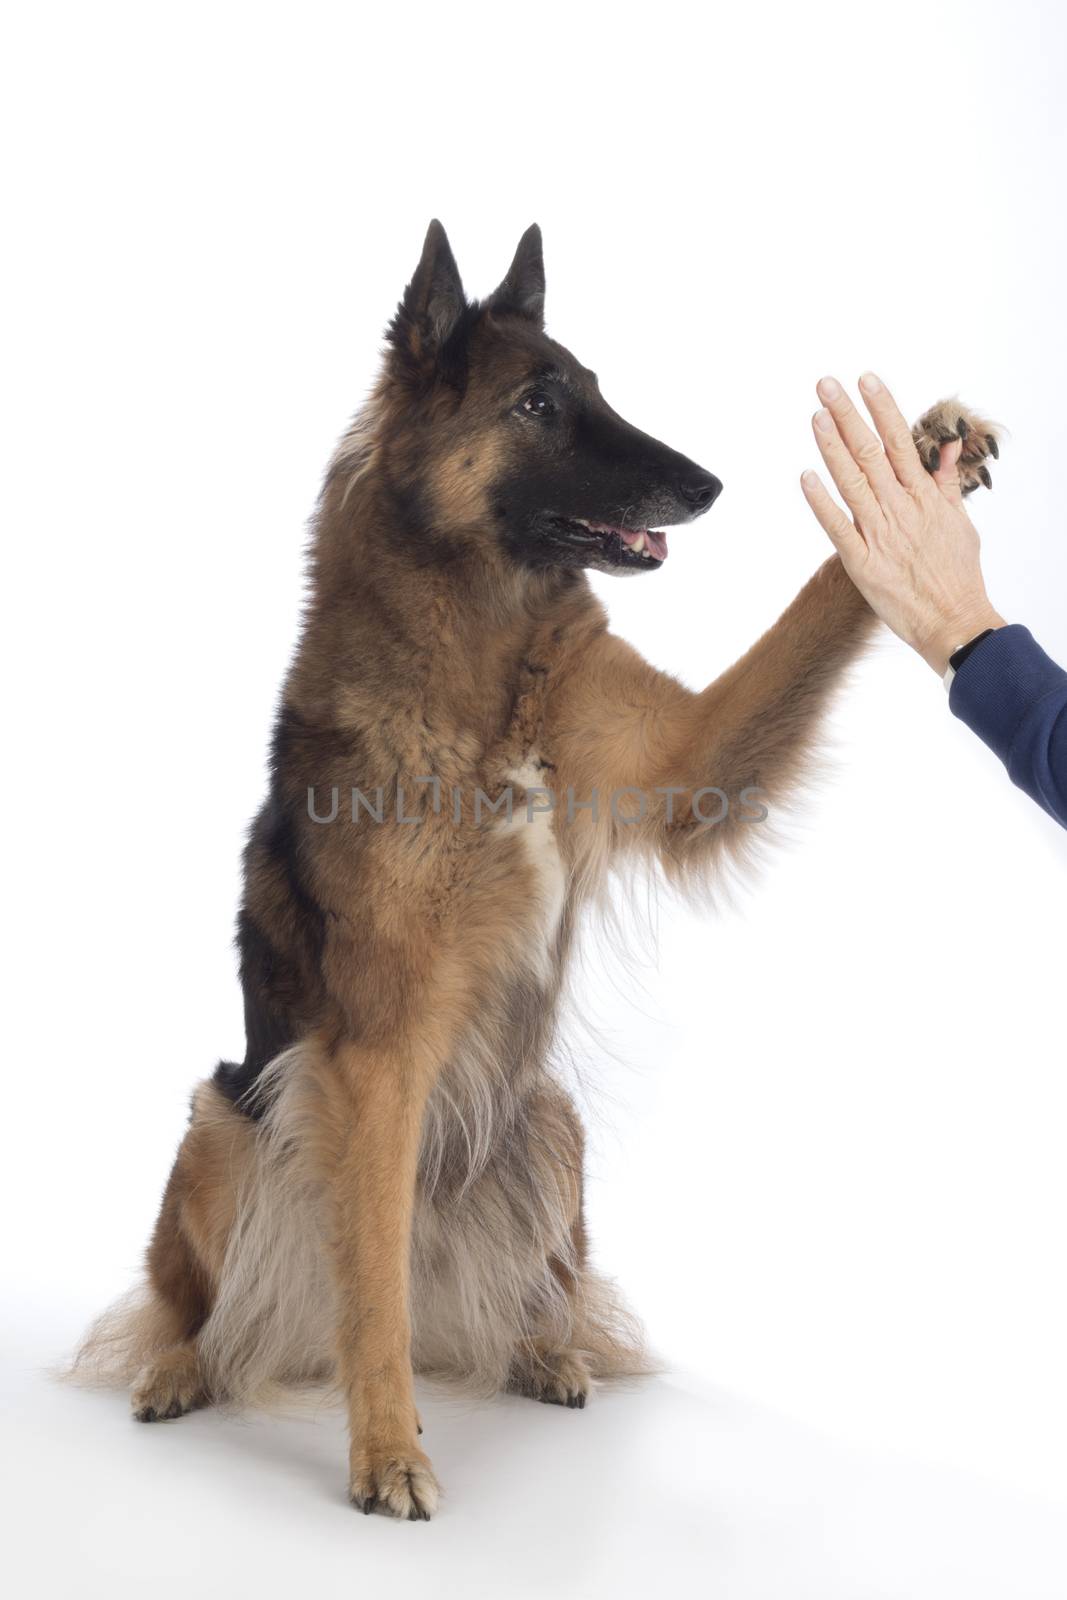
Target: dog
391, 1179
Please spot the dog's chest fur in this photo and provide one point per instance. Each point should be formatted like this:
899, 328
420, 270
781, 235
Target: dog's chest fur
533, 823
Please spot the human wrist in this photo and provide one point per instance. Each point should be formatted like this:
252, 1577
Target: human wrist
951, 630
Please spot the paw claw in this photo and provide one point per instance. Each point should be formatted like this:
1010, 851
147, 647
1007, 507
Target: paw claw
168, 1387
949, 421
984, 474
400, 1484
556, 1378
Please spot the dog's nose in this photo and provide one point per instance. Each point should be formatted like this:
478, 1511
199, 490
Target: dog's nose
701, 492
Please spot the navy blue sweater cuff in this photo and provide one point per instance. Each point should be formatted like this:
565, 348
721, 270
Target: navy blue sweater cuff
1014, 697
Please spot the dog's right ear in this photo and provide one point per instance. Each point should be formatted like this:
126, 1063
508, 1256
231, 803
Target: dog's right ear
431, 310
522, 293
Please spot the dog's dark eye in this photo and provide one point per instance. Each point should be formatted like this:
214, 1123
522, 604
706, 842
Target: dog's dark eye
538, 404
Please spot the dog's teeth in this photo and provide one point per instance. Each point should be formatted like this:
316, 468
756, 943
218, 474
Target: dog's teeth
647, 554
638, 545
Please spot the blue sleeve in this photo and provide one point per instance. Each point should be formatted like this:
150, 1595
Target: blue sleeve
1015, 698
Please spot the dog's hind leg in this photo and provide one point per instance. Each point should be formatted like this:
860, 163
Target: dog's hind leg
185, 1258
169, 1384
168, 1381
553, 1367
580, 1331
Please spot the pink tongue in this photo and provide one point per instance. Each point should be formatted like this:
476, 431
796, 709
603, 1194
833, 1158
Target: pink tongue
657, 543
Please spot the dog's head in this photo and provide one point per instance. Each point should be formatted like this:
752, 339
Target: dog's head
504, 436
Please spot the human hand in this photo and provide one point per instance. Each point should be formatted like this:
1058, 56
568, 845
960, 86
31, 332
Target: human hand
909, 546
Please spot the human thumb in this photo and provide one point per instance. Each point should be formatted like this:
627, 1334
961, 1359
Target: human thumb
947, 476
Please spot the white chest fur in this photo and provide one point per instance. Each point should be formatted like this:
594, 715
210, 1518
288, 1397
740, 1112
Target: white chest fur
532, 821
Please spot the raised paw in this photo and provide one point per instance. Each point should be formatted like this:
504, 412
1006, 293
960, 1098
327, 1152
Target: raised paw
399, 1483
168, 1387
948, 420
556, 1377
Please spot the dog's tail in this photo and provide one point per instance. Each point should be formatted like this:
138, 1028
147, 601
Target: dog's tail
609, 1332
121, 1341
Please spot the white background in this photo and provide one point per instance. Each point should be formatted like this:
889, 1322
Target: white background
830, 1120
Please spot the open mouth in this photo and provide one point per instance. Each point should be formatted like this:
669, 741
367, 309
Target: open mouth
621, 546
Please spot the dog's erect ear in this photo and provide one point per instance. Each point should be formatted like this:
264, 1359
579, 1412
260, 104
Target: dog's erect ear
432, 307
522, 293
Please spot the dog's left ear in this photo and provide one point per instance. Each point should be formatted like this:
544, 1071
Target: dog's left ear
522, 293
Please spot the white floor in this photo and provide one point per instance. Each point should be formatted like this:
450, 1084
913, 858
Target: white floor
673, 1489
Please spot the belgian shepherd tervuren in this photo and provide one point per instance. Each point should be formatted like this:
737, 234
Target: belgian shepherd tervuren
391, 1180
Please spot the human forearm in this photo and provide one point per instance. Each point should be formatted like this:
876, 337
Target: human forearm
1014, 697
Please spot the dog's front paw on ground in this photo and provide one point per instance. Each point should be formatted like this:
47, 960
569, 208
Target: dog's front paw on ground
167, 1387
949, 420
398, 1482
557, 1377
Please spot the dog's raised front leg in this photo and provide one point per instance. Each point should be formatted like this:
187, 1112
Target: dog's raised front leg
616, 724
